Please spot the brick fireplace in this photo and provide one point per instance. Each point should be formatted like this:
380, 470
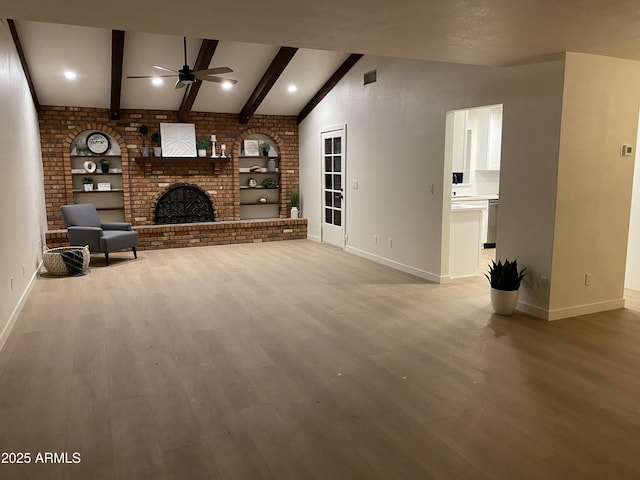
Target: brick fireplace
145, 182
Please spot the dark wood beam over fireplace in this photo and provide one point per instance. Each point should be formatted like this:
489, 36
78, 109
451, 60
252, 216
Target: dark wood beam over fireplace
207, 49
279, 63
117, 56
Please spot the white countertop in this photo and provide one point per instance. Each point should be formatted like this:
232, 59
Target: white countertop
463, 198
466, 208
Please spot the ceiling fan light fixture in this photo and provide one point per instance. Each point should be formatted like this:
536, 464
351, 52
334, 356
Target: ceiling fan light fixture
227, 85
157, 81
69, 75
292, 88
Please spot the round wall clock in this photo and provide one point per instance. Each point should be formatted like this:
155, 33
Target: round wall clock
98, 143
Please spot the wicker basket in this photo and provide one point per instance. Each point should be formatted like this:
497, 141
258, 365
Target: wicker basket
54, 263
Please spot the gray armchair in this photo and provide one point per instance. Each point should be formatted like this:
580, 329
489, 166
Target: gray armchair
84, 228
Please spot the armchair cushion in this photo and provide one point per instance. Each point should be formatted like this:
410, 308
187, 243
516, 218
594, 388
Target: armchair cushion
83, 214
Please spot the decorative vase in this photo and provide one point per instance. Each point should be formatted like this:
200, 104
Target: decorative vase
294, 212
145, 151
104, 167
157, 151
253, 182
271, 165
504, 301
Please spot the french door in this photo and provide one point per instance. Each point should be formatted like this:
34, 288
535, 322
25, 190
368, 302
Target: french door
333, 163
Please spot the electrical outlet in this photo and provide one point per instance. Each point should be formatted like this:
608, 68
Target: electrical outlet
11, 280
587, 279
354, 184
375, 239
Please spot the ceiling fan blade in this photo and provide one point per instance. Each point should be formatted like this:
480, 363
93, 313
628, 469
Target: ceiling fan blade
214, 71
165, 69
179, 84
215, 79
150, 76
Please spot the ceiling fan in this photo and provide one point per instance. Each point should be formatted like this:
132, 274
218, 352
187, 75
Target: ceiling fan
186, 76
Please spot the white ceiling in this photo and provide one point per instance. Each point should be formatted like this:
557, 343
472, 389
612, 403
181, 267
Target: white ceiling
482, 32
51, 49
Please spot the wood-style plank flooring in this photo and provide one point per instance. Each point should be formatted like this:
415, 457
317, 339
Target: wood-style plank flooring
294, 360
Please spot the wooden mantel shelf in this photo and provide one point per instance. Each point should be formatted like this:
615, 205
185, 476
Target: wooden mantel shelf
182, 159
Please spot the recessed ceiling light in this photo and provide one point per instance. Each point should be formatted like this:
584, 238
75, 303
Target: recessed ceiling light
70, 75
157, 81
227, 85
292, 88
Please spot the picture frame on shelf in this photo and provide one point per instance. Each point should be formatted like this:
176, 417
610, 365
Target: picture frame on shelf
104, 187
251, 148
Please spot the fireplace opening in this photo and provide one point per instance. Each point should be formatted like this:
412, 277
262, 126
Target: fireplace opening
183, 203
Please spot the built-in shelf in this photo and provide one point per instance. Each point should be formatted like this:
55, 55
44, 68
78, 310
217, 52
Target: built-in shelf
258, 157
243, 187
261, 204
182, 159
99, 191
87, 174
109, 208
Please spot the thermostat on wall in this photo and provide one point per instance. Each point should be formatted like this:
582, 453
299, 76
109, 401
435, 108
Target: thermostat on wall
627, 150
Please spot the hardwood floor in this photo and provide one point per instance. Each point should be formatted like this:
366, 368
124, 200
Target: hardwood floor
294, 360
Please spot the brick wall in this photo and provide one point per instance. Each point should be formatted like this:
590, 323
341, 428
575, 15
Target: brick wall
154, 237
144, 182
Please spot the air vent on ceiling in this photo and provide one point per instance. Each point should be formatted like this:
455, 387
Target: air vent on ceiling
370, 77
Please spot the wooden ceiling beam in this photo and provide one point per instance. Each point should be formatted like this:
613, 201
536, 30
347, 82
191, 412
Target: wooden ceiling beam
117, 57
23, 62
279, 63
205, 55
329, 84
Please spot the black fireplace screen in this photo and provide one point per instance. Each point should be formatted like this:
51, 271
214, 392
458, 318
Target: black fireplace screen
183, 204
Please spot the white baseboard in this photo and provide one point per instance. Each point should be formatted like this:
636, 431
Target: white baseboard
568, 312
432, 277
4, 335
315, 238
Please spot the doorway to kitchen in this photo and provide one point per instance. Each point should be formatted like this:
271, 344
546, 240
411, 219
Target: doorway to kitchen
473, 144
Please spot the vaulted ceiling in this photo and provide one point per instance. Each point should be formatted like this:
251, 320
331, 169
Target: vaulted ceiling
326, 32
52, 49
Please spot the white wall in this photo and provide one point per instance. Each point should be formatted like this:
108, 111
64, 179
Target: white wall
395, 149
600, 113
22, 211
632, 277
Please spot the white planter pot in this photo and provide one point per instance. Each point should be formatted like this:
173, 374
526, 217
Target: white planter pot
88, 187
202, 152
157, 151
294, 212
504, 302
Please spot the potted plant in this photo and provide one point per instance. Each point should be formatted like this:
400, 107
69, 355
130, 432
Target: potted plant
264, 148
155, 138
104, 165
201, 145
143, 130
270, 183
505, 282
294, 197
87, 183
